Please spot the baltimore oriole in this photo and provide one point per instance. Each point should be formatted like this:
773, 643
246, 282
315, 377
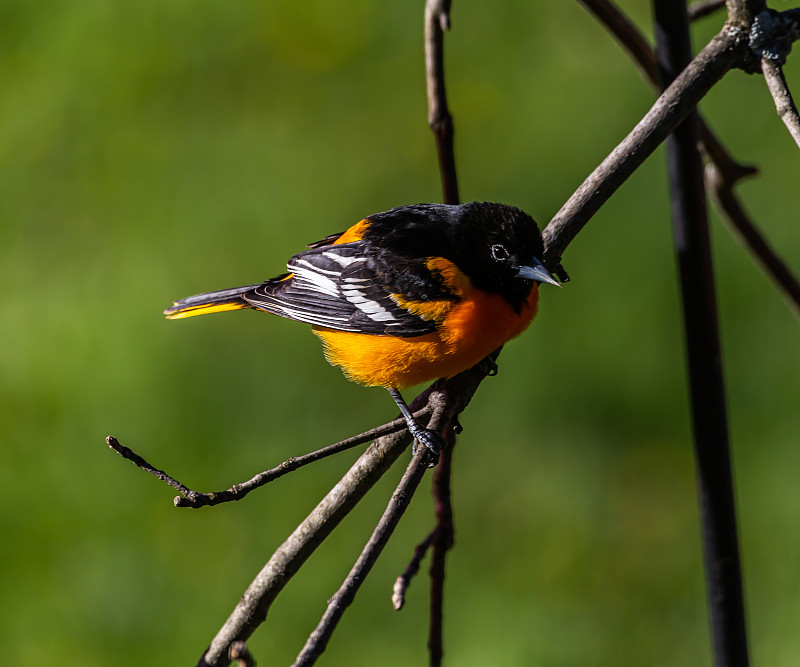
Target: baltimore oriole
406, 296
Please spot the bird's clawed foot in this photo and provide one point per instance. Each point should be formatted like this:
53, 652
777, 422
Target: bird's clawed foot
431, 439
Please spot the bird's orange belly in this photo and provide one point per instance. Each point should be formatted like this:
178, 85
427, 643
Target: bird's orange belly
473, 329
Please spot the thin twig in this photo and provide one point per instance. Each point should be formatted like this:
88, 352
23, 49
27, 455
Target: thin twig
318, 639
707, 387
239, 491
784, 104
127, 453
196, 499
452, 396
252, 609
701, 8
403, 581
437, 20
442, 543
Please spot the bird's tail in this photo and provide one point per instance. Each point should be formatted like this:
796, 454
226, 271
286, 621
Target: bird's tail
212, 302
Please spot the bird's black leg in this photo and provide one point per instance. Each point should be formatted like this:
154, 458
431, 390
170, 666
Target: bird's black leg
428, 437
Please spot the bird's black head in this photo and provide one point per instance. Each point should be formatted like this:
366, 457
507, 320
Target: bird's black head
498, 246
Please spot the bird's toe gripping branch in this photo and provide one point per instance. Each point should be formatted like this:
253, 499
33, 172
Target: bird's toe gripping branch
431, 439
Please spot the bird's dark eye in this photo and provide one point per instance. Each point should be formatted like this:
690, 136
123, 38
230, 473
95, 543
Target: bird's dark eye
499, 252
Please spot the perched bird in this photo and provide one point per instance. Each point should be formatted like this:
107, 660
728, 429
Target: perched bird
406, 296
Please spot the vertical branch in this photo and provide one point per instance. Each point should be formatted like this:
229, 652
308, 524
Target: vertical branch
337, 605
709, 416
437, 20
443, 537
709, 66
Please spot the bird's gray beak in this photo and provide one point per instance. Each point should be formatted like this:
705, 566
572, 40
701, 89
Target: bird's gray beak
538, 273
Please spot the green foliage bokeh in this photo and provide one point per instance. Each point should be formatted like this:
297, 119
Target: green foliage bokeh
153, 150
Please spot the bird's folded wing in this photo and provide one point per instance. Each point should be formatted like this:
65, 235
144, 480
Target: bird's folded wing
337, 287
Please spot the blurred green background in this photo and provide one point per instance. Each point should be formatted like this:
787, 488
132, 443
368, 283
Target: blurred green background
153, 150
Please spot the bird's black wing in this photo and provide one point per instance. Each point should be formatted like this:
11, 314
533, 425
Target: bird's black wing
338, 287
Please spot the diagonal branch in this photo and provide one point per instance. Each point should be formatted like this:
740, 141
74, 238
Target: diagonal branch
252, 609
771, 37
709, 66
725, 172
337, 605
403, 581
784, 104
196, 499
450, 398
239, 491
643, 55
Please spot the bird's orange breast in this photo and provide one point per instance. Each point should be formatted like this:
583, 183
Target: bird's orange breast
471, 328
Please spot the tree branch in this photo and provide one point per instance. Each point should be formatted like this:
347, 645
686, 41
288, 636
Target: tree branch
784, 104
726, 172
239, 491
645, 58
720, 55
443, 538
437, 20
707, 386
403, 581
290, 556
771, 38
140, 462
450, 397
196, 499
342, 599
